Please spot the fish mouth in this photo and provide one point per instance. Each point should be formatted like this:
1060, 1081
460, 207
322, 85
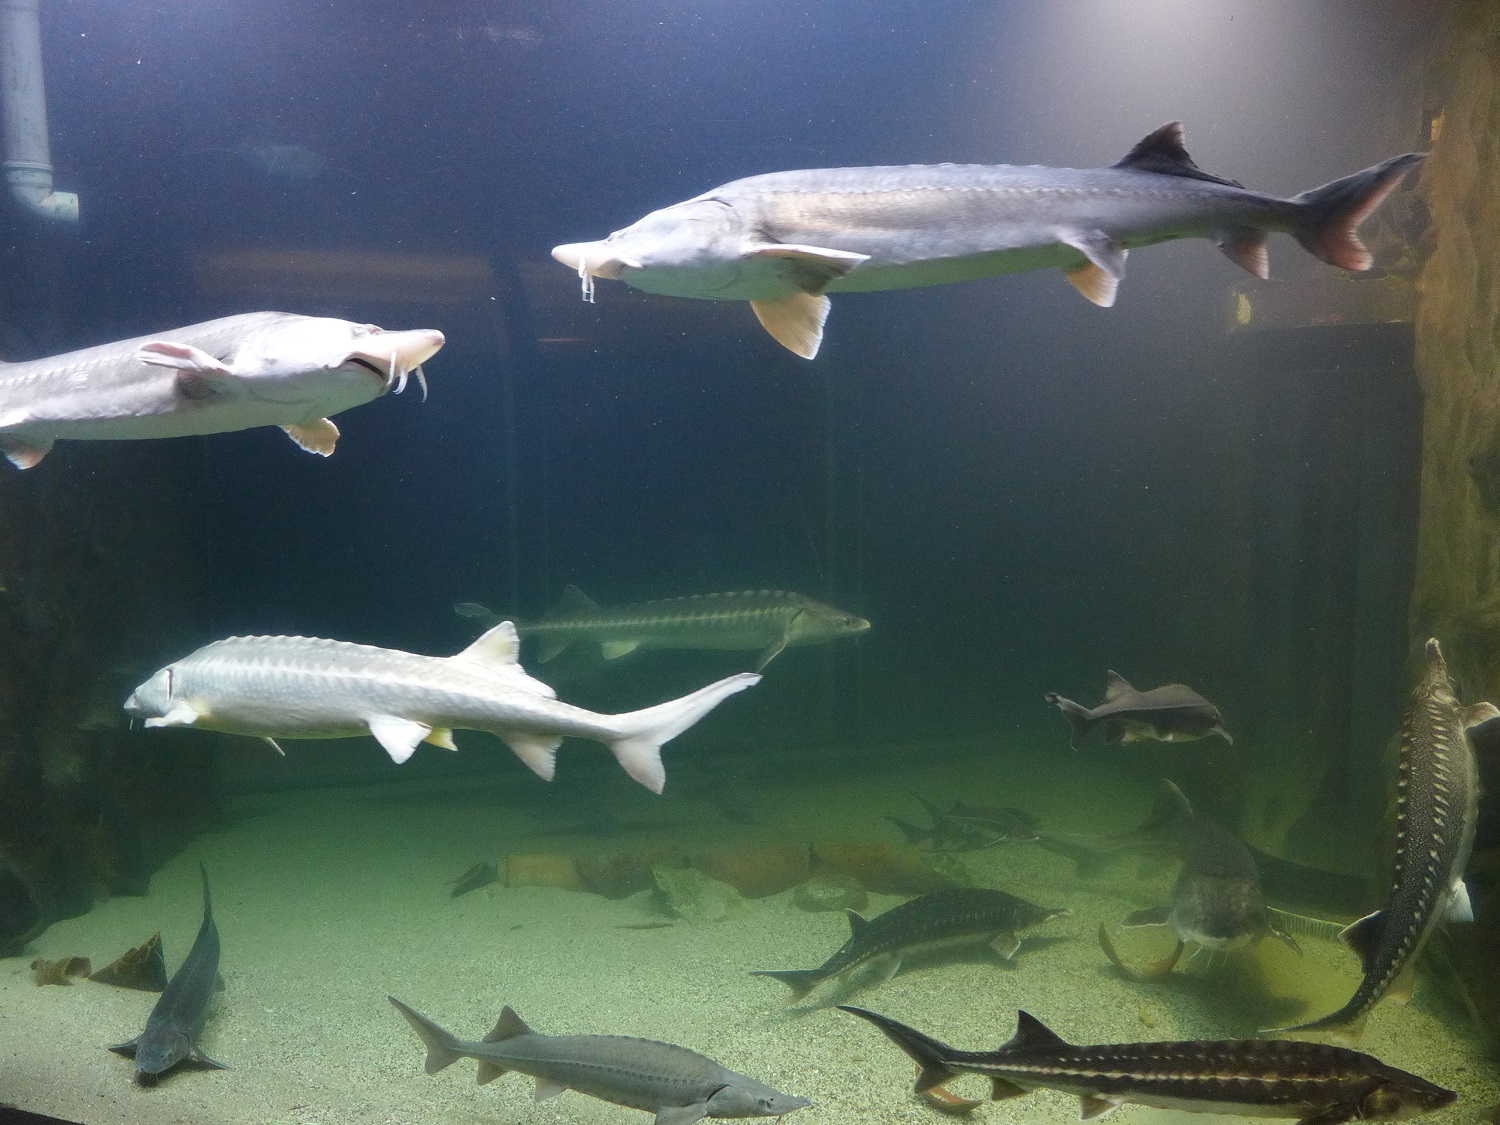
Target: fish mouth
593, 259
394, 356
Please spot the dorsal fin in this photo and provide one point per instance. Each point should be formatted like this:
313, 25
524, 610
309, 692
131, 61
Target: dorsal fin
1032, 1034
857, 923
499, 645
573, 601
1162, 152
508, 1026
1116, 685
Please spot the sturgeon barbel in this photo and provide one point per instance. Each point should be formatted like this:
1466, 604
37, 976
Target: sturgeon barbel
306, 687
1315, 1083
1437, 807
783, 241
235, 373
766, 621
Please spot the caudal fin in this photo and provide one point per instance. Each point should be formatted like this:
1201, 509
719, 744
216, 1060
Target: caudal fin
639, 735
930, 1055
1078, 716
1334, 211
442, 1047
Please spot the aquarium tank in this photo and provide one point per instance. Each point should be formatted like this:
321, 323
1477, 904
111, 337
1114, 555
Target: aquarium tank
696, 559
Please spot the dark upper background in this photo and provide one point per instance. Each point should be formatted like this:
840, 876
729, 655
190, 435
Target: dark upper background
1025, 485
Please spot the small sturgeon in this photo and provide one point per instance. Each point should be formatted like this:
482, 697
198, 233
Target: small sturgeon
1171, 713
760, 620
172, 1029
940, 920
782, 241
678, 1085
1315, 1083
1437, 796
236, 373
304, 687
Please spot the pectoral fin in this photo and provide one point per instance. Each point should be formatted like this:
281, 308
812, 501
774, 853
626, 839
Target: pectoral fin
203, 1060
180, 714
24, 454
795, 322
400, 737
1006, 945
809, 268
1458, 908
1151, 916
274, 745
199, 375
771, 652
128, 1048
682, 1114
316, 437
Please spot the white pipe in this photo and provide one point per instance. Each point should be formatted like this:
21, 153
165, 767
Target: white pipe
23, 115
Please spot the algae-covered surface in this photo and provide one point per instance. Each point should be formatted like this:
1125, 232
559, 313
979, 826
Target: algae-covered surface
328, 901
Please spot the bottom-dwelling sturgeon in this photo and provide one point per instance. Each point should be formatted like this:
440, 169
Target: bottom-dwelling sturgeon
1171, 713
303, 687
1315, 1083
172, 1029
678, 1085
940, 920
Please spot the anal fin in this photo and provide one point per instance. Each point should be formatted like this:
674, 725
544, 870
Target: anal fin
795, 322
613, 650
538, 751
1246, 248
316, 437
1091, 1106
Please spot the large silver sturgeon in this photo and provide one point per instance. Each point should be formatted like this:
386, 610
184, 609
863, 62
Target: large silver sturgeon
766, 621
235, 373
1437, 808
306, 687
678, 1085
784, 240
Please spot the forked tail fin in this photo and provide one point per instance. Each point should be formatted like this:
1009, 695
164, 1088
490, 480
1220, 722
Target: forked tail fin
1078, 716
639, 735
441, 1045
1334, 211
930, 1055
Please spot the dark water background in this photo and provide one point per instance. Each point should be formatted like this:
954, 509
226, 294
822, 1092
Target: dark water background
1018, 489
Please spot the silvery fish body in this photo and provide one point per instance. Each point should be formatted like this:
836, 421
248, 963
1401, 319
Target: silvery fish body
179, 1015
1170, 713
766, 621
784, 240
1437, 796
1315, 1083
306, 687
678, 1085
235, 373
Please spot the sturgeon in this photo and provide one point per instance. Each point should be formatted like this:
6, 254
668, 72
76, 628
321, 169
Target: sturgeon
945, 919
784, 240
1217, 902
766, 621
1315, 1083
1170, 713
235, 373
678, 1085
176, 1021
306, 687
1437, 801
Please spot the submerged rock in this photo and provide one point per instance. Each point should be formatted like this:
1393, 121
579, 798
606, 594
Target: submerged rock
831, 892
688, 894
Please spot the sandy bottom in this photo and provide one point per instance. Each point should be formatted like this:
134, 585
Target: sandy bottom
328, 901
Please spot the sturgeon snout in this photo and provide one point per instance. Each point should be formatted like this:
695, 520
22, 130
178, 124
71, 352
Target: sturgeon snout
395, 355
